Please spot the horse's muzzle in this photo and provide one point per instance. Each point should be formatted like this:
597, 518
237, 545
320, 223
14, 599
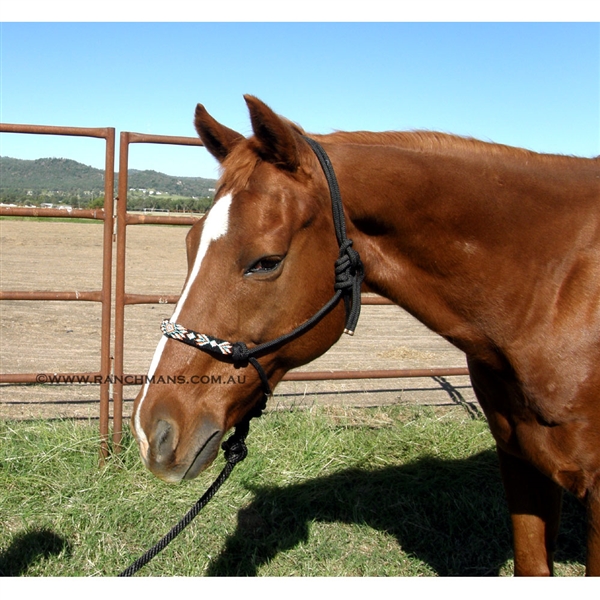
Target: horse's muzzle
172, 458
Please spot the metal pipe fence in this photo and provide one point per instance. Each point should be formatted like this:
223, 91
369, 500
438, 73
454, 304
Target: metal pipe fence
115, 213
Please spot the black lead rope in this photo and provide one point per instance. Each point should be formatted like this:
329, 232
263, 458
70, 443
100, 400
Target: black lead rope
235, 452
349, 274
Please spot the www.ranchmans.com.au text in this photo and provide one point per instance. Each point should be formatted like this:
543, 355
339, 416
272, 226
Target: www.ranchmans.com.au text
141, 379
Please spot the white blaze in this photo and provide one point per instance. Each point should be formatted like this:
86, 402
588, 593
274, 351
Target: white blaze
215, 226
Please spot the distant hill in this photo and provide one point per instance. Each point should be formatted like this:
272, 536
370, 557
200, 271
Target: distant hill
66, 177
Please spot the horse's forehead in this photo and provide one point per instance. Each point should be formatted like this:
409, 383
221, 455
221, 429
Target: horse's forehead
217, 219
214, 226
244, 171
263, 197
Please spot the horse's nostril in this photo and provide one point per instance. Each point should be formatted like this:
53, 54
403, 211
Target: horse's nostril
164, 441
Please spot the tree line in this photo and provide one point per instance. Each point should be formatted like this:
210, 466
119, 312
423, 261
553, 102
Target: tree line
69, 183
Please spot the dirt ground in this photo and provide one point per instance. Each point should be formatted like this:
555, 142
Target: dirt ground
47, 337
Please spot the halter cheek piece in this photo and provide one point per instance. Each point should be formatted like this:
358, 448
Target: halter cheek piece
349, 274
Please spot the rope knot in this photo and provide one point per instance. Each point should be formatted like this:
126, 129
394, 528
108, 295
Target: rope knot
235, 450
347, 249
348, 267
240, 353
349, 275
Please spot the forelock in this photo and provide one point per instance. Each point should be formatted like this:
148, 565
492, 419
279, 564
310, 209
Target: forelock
238, 166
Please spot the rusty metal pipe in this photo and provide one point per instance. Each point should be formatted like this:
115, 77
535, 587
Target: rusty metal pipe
105, 334
150, 299
160, 220
84, 378
375, 374
148, 138
137, 379
32, 211
59, 296
173, 298
97, 132
121, 216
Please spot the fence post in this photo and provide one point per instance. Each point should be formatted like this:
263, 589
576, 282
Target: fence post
120, 291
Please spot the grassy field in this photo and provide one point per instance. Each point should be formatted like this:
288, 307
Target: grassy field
394, 491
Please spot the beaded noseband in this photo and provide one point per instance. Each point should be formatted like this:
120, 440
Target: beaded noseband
349, 274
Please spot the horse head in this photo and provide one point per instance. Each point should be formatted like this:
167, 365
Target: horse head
260, 263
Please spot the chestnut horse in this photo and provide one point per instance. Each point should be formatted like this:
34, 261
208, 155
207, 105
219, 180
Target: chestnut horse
497, 249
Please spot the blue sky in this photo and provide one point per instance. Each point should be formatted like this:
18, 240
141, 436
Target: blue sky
535, 85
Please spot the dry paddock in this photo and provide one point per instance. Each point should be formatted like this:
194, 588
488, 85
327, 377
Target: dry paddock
47, 337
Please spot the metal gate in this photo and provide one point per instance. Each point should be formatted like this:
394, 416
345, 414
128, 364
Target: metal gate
111, 364
103, 295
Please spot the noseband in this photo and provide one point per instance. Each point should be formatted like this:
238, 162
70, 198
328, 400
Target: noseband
349, 274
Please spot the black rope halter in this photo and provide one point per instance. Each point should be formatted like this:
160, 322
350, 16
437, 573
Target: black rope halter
349, 274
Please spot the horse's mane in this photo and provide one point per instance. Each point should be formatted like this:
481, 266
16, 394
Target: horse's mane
433, 141
243, 160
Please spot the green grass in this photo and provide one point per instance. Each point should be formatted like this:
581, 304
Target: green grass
373, 492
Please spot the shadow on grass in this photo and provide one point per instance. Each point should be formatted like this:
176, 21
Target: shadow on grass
27, 548
449, 514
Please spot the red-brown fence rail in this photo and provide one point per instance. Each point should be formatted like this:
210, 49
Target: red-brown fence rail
103, 295
114, 372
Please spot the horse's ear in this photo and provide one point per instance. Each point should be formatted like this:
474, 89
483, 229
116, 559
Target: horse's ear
217, 139
276, 140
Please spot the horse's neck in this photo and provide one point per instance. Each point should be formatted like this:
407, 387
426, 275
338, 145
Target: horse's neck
436, 234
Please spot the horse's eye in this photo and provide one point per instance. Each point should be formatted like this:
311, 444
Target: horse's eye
264, 265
